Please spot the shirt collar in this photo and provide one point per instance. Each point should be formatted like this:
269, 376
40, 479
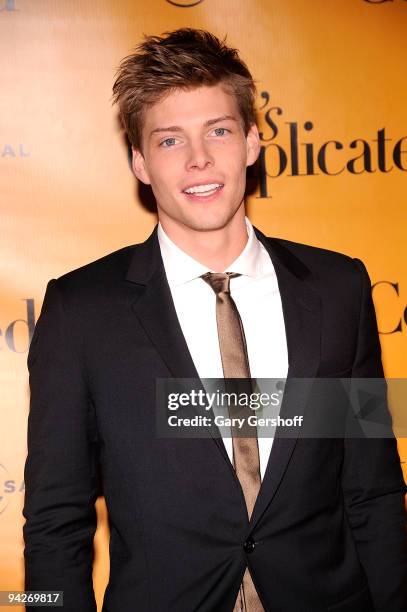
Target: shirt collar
181, 267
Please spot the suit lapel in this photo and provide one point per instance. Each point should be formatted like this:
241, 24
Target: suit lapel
302, 318
156, 313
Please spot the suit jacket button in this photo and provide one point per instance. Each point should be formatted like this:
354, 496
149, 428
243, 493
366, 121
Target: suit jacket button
249, 545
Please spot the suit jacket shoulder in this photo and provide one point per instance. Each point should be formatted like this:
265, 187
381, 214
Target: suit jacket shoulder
311, 259
330, 273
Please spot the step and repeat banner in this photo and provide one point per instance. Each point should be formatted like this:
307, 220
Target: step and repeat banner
332, 171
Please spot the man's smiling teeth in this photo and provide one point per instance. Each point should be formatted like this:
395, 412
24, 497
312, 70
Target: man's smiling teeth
204, 189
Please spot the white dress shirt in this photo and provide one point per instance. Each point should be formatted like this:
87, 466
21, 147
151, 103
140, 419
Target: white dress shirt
258, 301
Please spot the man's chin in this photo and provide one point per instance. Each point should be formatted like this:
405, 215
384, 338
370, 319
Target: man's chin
208, 223
207, 226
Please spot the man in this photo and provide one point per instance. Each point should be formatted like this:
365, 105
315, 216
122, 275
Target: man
204, 524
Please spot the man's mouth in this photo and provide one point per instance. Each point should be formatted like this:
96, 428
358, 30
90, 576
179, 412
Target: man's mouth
203, 190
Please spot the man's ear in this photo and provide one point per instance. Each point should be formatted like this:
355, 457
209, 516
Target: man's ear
139, 166
253, 144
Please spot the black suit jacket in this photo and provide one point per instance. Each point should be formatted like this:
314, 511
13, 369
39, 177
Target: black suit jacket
327, 531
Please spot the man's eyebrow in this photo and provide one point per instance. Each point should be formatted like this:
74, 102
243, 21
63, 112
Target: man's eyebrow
178, 128
218, 119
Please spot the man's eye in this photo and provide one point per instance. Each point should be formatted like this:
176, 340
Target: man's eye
168, 142
221, 131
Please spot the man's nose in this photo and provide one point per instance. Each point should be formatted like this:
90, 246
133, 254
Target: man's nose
199, 157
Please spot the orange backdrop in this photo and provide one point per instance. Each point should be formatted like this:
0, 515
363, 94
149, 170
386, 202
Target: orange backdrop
332, 173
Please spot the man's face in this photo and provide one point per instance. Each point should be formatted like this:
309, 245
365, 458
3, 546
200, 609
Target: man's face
195, 155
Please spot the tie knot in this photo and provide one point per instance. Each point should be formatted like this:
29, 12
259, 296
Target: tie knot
219, 281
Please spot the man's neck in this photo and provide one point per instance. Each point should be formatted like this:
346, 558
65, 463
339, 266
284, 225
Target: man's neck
216, 249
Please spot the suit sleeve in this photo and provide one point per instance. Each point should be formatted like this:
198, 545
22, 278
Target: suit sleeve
373, 483
61, 483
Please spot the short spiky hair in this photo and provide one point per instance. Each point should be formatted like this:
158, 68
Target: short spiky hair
182, 59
